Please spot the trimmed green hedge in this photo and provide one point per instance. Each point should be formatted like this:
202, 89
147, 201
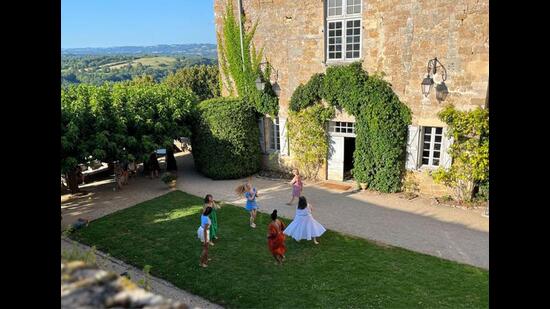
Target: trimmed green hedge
225, 139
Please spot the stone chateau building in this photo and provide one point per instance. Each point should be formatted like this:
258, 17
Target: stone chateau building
396, 37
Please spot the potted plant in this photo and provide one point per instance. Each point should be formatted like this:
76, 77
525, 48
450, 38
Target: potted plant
363, 186
169, 179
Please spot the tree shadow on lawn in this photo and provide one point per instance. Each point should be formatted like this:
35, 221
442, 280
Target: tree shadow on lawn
342, 271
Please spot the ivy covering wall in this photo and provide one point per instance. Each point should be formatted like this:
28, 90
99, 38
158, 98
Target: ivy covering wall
381, 122
240, 65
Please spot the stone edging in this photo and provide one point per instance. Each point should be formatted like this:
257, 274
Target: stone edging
158, 286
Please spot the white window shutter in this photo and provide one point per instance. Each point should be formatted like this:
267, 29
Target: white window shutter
262, 137
413, 142
284, 140
446, 142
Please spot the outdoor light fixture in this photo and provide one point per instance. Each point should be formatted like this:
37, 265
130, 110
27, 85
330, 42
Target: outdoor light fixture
276, 88
428, 82
441, 92
259, 84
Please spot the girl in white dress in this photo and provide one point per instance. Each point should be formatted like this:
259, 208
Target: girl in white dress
304, 226
203, 233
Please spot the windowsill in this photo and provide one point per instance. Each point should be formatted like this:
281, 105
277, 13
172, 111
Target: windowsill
428, 168
347, 61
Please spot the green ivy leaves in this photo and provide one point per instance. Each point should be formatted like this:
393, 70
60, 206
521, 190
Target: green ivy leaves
381, 123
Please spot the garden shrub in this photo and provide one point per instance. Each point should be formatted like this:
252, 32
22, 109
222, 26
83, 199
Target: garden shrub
225, 139
307, 131
470, 151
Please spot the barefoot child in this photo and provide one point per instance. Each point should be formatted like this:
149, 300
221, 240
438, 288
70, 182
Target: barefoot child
250, 194
276, 238
209, 202
304, 226
297, 186
204, 235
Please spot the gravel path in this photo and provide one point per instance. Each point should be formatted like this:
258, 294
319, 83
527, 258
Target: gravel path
450, 233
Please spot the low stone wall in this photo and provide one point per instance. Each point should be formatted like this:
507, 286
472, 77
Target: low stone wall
86, 286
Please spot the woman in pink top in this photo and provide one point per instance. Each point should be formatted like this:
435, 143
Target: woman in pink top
296, 186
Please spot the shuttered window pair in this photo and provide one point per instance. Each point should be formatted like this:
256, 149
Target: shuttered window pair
427, 147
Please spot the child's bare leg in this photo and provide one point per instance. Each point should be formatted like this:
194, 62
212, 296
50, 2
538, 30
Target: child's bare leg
315, 241
204, 256
292, 200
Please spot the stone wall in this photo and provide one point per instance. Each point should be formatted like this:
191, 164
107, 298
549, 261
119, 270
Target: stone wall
398, 39
86, 286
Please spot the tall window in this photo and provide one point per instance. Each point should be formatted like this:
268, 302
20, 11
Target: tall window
431, 149
275, 142
344, 29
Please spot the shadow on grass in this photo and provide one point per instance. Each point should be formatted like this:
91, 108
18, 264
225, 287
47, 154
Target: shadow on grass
343, 271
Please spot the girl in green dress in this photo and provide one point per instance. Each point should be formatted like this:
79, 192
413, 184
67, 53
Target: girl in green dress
209, 202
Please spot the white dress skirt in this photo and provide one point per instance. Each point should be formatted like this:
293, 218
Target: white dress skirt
200, 234
304, 226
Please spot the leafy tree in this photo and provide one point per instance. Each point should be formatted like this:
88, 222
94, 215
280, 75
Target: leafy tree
470, 151
202, 80
120, 121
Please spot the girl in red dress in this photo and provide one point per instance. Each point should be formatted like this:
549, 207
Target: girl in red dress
276, 238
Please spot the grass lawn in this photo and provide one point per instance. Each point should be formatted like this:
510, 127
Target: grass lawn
342, 272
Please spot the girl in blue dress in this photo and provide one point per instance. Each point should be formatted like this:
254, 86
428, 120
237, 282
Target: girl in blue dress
250, 193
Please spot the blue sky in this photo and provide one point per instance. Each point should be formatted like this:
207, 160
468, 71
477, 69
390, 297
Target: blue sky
105, 23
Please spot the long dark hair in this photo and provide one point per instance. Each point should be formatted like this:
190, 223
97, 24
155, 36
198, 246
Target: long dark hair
207, 211
302, 202
207, 198
274, 215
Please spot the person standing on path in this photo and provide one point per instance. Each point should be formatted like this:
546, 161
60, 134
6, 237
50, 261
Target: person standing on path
209, 202
304, 226
276, 238
154, 165
204, 235
171, 165
297, 186
250, 194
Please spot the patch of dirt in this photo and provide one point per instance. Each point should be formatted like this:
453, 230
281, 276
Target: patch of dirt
443, 201
335, 186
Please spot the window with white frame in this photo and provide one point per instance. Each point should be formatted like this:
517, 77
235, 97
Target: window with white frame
275, 136
342, 127
343, 29
431, 146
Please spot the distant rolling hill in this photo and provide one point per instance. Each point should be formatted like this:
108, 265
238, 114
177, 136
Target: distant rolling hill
204, 50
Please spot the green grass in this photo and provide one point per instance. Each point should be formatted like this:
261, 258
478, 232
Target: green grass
342, 272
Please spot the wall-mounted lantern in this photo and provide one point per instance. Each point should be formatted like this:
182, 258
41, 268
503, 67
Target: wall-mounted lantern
259, 84
427, 83
276, 88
